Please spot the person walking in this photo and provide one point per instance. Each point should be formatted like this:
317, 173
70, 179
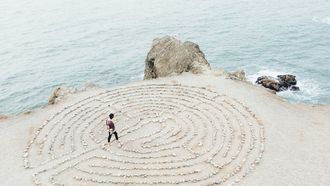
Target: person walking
111, 128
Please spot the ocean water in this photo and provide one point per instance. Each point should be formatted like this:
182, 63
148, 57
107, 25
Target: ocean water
49, 43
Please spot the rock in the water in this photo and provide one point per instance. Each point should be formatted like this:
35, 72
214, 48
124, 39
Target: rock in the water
271, 84
259, 79
294, 88
287, 80
237, 75
169, 55
281, 83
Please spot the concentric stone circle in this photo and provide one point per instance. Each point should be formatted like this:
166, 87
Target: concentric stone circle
169, 134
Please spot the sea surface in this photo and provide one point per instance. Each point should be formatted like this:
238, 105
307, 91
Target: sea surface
49, 43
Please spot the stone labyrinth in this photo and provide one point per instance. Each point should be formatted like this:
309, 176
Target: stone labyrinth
169, 134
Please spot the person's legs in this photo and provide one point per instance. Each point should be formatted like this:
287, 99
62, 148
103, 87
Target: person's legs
109, 138
116, 135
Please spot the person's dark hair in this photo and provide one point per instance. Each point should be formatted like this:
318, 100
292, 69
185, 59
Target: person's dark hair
111, 115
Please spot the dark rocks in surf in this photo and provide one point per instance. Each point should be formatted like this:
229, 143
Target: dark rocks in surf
294, 88
280, 83
287, 80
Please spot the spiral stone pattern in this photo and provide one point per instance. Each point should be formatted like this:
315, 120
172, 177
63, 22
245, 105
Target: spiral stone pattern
169, 134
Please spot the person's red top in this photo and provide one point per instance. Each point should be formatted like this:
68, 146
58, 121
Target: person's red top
110, 124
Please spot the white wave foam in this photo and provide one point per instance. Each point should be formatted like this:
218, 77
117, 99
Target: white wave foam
309, 92
309, 88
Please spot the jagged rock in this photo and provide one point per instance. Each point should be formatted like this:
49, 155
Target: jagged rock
55, 94
169, 55
281, 83
259, 79
271, 84
287, 80
237, 75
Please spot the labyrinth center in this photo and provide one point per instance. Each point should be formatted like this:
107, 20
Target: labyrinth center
168, 134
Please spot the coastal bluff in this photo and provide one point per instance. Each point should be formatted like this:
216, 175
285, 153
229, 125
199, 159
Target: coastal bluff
187, 127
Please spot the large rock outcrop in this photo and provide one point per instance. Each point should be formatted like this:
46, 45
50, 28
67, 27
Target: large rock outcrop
169, 55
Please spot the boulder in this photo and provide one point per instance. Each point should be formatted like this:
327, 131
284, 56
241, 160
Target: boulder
237, 75
271, 84
294, 88
287, 80
169, 55
259, 79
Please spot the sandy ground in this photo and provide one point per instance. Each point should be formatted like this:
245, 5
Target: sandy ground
188, 129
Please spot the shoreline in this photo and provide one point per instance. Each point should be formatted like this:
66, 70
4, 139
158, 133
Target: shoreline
86, 87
